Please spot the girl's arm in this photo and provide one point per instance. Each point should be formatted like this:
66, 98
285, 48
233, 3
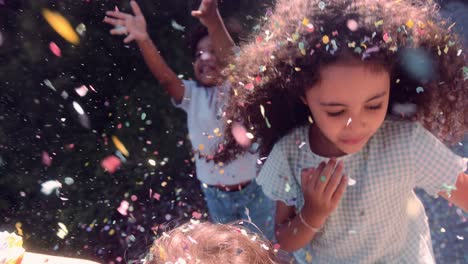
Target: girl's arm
291, 233
459, 197
134, 26
209, 16
322, 188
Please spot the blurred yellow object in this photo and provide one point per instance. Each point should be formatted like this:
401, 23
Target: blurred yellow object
61, 26
11, 248
120, 146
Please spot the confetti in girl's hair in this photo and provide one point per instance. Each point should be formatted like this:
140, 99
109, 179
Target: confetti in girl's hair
288, 64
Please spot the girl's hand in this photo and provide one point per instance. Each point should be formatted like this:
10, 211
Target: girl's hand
322, 188
134, 26
207, 12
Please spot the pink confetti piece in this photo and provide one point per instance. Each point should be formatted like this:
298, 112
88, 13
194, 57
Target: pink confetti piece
46, 159
92, 88
352, 25
55, 49
240, 135
111, 164
157, 196
196, 215
123, 208
134, 198
82, 90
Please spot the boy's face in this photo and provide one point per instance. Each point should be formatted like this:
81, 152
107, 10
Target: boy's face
206, 66
349, 104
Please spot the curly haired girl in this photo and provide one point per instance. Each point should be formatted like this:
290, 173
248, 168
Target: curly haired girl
352, 101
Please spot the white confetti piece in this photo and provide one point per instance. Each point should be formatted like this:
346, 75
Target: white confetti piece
351, 181
177, 26
78, 108
62, 232
50, 186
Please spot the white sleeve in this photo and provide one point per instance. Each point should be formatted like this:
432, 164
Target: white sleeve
435, 166
190, 87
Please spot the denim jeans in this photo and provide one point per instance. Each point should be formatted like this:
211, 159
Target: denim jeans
249, 203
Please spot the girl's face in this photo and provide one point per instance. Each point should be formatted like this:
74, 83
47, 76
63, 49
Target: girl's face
349, 104
206, 66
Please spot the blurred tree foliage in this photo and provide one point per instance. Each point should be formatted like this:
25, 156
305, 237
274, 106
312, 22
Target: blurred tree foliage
36, 117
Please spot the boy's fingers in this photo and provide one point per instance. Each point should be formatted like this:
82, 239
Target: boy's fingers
196, 13
335, 179
136, 8
118, 15
118, 31
129, 38
340, 190
112, 21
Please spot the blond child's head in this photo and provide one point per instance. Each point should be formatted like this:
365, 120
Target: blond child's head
205, 242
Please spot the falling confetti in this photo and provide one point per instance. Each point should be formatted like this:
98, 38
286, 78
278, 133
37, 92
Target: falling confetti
49, 84
177, 26
46, 159
262, 111
62, 231
351, 181
50, 186
152, 162
81, 29
325, 39
82, 90
196, 215
55, 49
240, 135
465, 73
78, 108
120, 146
61, 26
448, 189
419, 89
111, 164
321, 5
349, 121
123, 208
352, 25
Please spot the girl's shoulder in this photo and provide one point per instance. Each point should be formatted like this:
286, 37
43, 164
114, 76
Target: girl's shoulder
396, 131
397, 127
294, 140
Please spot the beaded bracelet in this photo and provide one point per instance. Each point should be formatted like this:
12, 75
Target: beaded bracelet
313, 229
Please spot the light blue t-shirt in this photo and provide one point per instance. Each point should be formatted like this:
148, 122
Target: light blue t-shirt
204, 107
379, 219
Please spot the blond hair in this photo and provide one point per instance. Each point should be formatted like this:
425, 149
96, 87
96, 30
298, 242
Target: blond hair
210, 243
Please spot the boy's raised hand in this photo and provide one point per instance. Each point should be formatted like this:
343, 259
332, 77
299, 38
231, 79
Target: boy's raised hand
323, 188
207, 12
134, 26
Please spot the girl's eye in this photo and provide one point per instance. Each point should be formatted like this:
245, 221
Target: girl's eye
374, 107
334, 114
199, 53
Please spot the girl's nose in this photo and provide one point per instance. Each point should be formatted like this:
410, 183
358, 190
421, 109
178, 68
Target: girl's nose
355, 121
